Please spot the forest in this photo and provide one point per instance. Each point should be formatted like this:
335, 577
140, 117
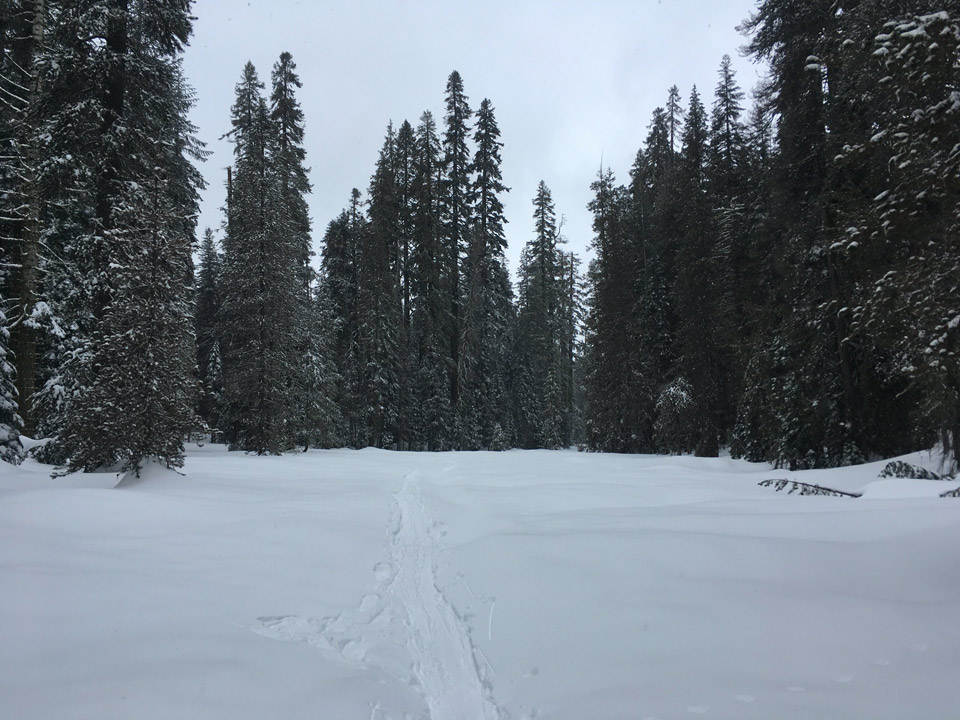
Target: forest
778, 277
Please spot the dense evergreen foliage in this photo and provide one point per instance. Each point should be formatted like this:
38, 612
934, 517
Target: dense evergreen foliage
426, 340
790, 286
102, 225
782, 279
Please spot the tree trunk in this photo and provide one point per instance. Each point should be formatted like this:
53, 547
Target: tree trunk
23, 336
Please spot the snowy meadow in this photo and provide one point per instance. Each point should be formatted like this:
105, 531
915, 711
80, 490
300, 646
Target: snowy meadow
525, 584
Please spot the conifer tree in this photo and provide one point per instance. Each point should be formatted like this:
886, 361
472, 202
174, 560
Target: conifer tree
814, 399
429, 303
901, 224
339, 297
613, 421
263, 287
288, 161
404, 166
488, 303
206, 318
142, 354
380, 303
456, 213
129, 377
702, 334
571, 320
22, 54
321, 423
540, 330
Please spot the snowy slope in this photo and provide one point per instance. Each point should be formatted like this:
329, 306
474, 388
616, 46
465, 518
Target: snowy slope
373, 585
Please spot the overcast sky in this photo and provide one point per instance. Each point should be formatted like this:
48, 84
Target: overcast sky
570, 82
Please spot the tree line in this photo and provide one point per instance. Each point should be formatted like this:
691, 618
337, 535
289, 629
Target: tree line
409, 336
787, 282
782, 280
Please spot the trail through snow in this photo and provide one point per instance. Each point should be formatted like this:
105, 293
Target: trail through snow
444, 659
435, 641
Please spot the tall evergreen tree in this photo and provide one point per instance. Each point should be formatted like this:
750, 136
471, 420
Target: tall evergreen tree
613, 421
321, 421
22, 55
703, 335
541, 326
404, 166
456, 208
380, 302
814, 399
288, 161
488, 302
339, 294
428, 305
901, 219
206, 317
571, 320
263, 287
129, 376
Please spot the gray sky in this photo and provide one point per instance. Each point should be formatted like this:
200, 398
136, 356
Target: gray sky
570, 82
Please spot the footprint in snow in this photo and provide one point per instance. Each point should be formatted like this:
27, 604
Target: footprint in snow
698, 709
384, 572
796, 688
882, 662
368, 602
744, 698
844, 679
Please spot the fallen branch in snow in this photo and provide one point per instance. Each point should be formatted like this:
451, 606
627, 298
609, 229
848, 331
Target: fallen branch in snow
804, 488
900, 469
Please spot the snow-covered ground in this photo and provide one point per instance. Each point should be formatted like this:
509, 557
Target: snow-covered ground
474, 586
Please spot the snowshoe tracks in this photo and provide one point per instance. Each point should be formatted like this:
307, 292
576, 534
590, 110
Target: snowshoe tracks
409, 616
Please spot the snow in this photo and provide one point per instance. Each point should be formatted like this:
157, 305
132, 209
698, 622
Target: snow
476, 586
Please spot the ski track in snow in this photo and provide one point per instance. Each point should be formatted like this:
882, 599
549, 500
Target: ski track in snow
435, 638
444, 660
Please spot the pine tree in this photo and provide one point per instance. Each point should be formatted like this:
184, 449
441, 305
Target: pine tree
727, 154
456, 212
321, 422
22, 54
571, 318
429, 303
141, 404
815, 401
614, 422
288, 161
206, 318
405, 155
541, 326
288, 164
703, 335
128, 379
488, 304
380, 303
901, 209
263, 287
338, 295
